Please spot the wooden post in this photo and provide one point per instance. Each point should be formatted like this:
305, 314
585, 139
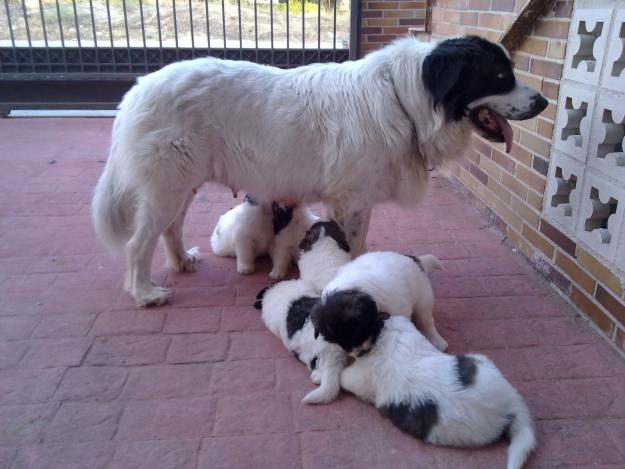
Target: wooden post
511, 39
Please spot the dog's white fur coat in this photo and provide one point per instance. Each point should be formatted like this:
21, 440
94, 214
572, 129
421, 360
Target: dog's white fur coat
339, 133
404, 368
397, 284
246, 232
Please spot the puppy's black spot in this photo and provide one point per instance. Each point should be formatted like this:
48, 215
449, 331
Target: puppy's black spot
347, 318
414, 419
313, 363
466, 369
258, 304
417, 261
298, 314
280, 216
250, 200
296, 355
505, 429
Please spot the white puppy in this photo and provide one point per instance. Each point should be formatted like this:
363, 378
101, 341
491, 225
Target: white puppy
324, 250
397, 283
250, 230
461, 401
286, 308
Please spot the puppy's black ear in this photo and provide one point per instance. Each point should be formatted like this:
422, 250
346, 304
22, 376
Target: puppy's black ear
383, 316
316, 334
258, 304
311, 237
334, 231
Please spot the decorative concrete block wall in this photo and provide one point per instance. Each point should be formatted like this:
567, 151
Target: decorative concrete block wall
589, 135
541, 195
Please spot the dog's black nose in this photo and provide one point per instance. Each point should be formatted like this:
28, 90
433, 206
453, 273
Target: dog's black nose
539, 103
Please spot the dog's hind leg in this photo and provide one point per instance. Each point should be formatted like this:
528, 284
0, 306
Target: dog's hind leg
154, 214
178, 258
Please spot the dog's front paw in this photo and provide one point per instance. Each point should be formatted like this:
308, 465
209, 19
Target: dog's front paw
320, 396
245, 268
155, 296
277, 274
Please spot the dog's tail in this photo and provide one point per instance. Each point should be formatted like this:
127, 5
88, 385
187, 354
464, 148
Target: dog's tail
522, 437
113, 209
427, 262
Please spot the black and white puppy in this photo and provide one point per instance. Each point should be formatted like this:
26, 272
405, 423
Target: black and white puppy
250, 230
323, 251
286, 308
461, 401
394, 282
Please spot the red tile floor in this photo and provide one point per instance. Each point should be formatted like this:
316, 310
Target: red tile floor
88, 380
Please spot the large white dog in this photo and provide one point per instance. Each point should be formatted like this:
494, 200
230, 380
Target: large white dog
350, 135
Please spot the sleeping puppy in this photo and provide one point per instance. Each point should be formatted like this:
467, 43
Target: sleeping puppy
461, 401
286, 308
395, 282
324, 250
250, 230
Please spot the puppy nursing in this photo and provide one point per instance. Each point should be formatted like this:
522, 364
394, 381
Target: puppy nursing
286, 308
250, 230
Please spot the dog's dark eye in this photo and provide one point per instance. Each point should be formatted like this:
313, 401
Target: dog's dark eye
501, 76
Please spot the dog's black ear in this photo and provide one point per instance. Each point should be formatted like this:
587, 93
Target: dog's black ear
258, 304
383, 316
281, 216
311, 237
441, 75
316, 333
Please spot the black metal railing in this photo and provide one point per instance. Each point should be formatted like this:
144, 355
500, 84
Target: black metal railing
86, 53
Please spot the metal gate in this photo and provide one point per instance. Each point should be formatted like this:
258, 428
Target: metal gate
84, 54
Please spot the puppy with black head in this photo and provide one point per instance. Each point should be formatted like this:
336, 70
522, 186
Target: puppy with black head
250, 230
286, 308
393, 282
461, 401
323, 251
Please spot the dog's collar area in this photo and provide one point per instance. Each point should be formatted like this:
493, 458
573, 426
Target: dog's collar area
415, 136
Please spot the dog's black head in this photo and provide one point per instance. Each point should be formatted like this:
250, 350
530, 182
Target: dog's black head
475, 77
320, 229
350, 319
281, 216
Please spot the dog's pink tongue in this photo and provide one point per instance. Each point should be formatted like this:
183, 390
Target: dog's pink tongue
506, 130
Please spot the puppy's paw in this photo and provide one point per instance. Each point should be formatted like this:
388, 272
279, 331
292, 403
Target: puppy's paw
319, 396
315, 376
244, 268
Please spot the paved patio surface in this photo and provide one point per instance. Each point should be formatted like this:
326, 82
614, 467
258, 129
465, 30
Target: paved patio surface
89, 381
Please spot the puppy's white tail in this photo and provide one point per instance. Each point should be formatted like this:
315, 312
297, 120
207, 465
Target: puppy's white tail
430, 263
112, 210
522, 437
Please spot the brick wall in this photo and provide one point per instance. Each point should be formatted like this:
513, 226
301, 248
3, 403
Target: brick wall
510, 187
385, 20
